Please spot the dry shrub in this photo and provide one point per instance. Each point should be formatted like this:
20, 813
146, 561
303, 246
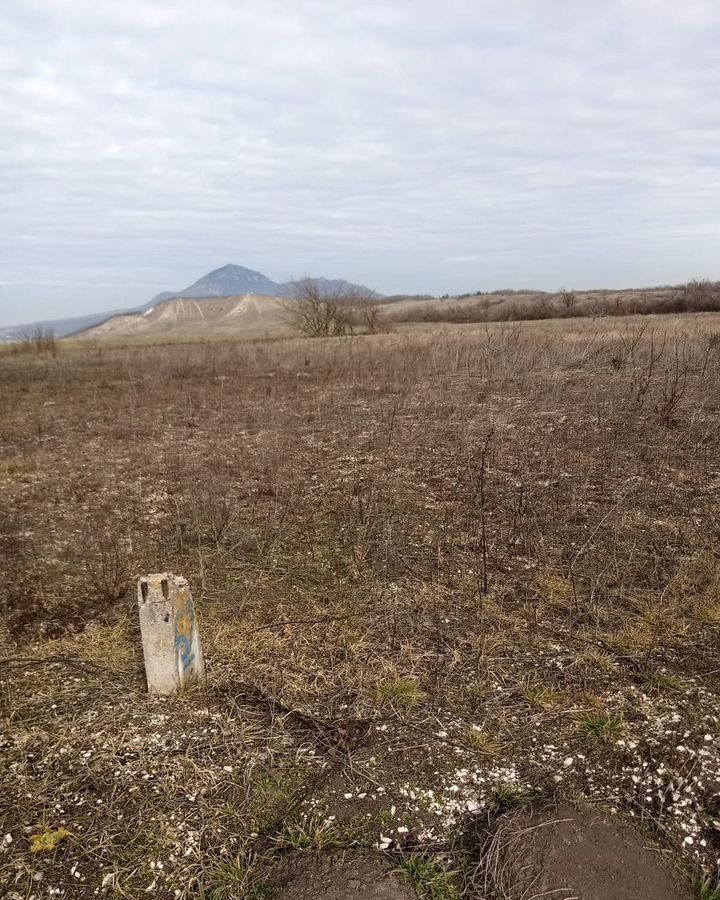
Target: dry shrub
106, 562
695, 297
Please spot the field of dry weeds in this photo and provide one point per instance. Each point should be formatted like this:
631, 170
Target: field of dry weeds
439, 574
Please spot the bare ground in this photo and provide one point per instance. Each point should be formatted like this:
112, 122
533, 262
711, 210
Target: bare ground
334, 877
569, 853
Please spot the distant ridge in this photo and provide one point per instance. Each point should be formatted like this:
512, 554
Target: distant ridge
234, 281
60, 327
228, 281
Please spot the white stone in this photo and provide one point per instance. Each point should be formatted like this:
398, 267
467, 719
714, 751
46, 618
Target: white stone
170, 635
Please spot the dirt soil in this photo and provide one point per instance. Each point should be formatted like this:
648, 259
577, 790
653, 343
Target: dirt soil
341, 876
577, 854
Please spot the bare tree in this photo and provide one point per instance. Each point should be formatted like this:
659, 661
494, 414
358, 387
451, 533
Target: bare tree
39, 339
315, 313
700, 296
568, 298
367, 313
318, 313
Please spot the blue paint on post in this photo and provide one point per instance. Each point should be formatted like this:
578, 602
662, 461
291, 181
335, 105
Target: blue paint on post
184, 631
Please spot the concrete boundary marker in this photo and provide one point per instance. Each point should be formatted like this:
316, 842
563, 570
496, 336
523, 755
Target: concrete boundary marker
170, 634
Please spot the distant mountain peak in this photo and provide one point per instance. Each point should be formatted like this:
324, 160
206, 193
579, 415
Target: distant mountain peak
229, 280
232, 280
231, 269
226, 281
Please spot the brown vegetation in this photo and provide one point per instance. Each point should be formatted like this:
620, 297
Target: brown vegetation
509, 306
313, 312
36, 340
438, 573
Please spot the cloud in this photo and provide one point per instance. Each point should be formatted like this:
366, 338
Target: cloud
409, 145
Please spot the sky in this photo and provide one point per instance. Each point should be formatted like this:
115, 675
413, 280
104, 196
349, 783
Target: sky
408, 145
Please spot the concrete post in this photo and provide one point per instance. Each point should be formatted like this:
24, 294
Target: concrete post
170, 635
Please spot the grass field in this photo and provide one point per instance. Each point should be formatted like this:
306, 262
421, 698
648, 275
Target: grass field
439, 573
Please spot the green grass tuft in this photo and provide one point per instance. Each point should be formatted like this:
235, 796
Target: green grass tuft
600, 728
400, 693
706, 889
313, 834
236, 880
509, 796
431, 878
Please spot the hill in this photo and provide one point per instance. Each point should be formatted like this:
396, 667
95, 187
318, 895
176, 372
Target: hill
60, 327
228, 281
183, 316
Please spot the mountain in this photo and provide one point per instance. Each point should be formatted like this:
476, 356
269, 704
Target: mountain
236, 281
227, 281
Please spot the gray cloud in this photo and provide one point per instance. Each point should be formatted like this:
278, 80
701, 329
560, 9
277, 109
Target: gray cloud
406, 144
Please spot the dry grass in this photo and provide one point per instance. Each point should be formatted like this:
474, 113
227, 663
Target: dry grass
513, 306
427, 565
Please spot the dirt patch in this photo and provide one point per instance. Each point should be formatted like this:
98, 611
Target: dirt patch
576, 854
341, 876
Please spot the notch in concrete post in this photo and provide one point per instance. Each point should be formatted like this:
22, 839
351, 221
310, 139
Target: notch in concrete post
170, 635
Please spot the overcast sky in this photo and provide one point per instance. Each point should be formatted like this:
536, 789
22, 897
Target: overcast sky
412, 146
